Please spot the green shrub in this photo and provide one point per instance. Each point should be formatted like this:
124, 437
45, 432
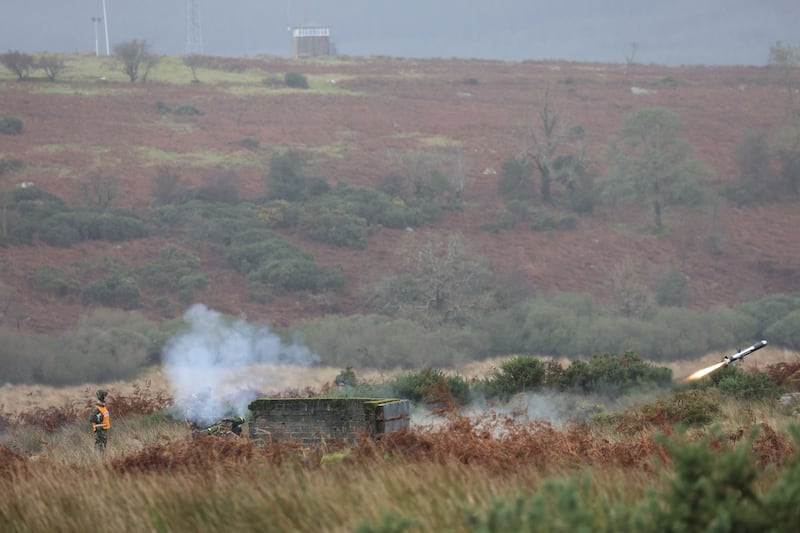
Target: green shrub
188, 110
162, 108
287, 179
516, 179
556, 505
168, 188
770, 310
507, 222
541, 220
672, 288
249, 256
741, 384
10, 126
164, 306
54, 280
8, 165
55, 233
394, 293
113, 291
614, 375
340, 229
36, 204
377, 341
173, 264
219, 188
298, 275
186, 295
518, 374
67, 228
428, 385
195, 280
273, 80
295, 80
710, 487
786, 331
690, 408
250, 142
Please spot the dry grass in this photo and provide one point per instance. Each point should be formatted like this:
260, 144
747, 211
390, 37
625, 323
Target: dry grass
154, 476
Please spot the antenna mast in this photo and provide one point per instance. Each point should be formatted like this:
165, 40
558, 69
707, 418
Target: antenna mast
194, 30
105, 27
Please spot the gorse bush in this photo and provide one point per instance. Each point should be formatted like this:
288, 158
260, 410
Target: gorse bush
250, 255
430, 385
690, 408
298, 275
741, 384
54, 281
614, 375
8, 165
113, 291
338, 228
518, 374
288, 180
67, 228
188, 110
295, 80
10, 126
711, 486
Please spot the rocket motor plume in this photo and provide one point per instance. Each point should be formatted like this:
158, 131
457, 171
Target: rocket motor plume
741, 354
704, 372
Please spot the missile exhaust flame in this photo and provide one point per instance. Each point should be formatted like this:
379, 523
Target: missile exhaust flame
704, 372
741, 354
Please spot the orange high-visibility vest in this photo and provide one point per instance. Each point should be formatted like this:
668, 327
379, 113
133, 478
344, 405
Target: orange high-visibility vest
106, 423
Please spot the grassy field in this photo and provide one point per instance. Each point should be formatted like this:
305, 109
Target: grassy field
490, 471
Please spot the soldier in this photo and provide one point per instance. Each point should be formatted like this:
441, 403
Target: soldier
101, 422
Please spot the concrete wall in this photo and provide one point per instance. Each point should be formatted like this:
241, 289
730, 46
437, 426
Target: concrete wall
316, 420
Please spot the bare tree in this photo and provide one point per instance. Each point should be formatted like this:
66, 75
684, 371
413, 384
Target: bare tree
549, 138
195, 61
51, 65
135, 58
18, 63
451, 279
100, 190
633, 297
629, 59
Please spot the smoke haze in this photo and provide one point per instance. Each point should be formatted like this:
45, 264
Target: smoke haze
230, 360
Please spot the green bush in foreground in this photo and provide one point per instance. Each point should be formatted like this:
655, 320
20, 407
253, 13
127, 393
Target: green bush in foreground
430, 385
518, 374
614, 375
709, 488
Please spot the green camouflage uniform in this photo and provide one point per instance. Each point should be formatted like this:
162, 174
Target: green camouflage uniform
100, 434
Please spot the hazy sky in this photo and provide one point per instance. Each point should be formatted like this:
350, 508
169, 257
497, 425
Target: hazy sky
672, 32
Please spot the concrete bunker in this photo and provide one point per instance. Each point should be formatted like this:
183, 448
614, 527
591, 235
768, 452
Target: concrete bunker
315, 420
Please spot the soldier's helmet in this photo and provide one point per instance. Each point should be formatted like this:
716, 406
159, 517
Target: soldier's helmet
101, 394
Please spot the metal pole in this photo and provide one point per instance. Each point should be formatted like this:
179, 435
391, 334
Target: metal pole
105, 25
96, 38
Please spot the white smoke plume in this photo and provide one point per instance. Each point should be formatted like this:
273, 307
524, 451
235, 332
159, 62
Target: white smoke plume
218, 365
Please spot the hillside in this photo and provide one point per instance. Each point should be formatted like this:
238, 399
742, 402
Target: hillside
351, 124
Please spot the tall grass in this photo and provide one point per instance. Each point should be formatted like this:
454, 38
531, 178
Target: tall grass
263, 497
490, 472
